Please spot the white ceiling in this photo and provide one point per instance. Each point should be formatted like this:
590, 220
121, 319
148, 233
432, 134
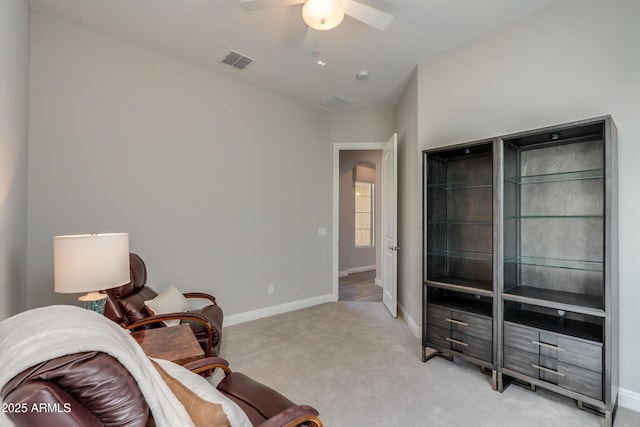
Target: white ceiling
202, 32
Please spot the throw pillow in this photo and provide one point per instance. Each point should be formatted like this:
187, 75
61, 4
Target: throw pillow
202, 413
170, 300
205, 391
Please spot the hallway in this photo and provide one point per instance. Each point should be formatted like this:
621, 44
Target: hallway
360, 287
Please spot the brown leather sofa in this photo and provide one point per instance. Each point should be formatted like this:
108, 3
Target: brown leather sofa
92, 389
125, 306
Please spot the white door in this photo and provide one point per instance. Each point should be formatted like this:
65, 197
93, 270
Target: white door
390, 225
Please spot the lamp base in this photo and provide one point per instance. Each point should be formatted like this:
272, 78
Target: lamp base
94, 301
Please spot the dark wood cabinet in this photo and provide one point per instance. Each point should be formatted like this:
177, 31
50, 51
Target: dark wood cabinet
521, 231
461, 331
571, 363
459, 241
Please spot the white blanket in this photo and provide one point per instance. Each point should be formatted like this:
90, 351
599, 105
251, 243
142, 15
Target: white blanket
37, 335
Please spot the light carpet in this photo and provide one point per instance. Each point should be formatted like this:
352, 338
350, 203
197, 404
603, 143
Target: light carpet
360, 367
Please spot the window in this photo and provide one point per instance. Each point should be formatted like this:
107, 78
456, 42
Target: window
364, 215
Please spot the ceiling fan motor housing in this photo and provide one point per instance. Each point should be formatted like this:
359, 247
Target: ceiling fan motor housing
323, 14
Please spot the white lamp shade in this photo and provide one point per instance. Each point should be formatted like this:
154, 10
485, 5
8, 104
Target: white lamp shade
90, 262
323, 14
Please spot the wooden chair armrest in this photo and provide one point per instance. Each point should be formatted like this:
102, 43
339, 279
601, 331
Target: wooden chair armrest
202, 295
181, 316
208, 364
170, 316
293, 417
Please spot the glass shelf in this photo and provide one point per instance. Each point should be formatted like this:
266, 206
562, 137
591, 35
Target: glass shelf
557, 263
550, 216
450, 302
476, 256
557, 177
459, 222
579, 303
460, 185
584, 330
480, 287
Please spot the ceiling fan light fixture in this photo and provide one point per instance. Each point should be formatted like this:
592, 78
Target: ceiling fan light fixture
323, 14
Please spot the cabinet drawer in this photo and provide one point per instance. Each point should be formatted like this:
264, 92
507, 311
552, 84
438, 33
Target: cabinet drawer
478, 348
567, 376
521, 361
457, 341
476, 326
573, 378
548, 368
580, 380
438, 336
520, 338
437, 316
460, 321
548, 344
581, 354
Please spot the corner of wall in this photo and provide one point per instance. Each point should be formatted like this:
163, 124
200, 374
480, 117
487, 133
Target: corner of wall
14, 122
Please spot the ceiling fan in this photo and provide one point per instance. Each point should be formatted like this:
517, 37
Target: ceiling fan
326, 14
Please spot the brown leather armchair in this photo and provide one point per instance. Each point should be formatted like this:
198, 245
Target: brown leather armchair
93, 389
125, 306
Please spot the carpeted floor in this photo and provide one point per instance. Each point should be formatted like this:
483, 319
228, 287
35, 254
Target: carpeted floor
360, 367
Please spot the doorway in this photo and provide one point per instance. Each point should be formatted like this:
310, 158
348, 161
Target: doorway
386, 264
359, 226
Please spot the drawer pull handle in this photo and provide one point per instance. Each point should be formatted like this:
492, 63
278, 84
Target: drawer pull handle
553, 347
551, 371
457, 322
457, 342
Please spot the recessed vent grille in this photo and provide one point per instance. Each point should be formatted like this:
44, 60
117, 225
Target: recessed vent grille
237, 60
337, 101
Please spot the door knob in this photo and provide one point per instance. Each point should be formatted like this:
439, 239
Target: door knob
394, 248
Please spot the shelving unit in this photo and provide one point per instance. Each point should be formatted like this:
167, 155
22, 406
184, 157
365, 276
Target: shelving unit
459, 259
560, 258
521, 232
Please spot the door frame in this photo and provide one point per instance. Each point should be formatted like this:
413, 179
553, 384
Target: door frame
389, 212
337, 147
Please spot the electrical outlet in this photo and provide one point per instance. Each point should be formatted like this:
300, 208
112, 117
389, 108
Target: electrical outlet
271, 288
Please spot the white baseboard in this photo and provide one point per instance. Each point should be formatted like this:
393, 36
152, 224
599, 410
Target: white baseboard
260, 313
629, 399
378, 282
348, 271
414, 328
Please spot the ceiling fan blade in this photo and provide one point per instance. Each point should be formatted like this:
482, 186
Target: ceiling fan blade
367, 14
312, 40
251, 5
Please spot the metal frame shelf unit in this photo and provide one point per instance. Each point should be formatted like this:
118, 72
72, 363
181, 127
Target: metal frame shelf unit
520, 255
459, 262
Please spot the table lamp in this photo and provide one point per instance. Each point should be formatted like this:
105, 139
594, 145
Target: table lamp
90, 263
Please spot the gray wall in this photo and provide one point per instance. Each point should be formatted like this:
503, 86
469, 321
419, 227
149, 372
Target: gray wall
576, 60
375, 125
409, 208
221, 186
14, 113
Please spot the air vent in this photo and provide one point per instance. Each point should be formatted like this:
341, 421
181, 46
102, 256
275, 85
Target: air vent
337, 101
237, 60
